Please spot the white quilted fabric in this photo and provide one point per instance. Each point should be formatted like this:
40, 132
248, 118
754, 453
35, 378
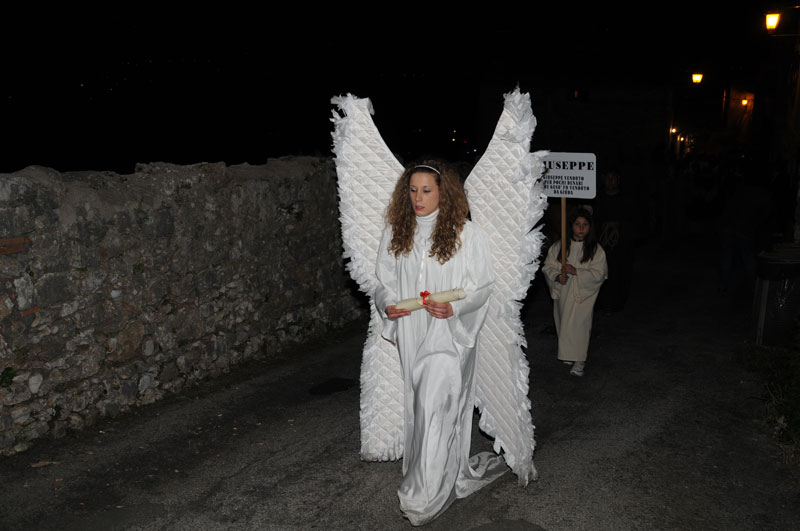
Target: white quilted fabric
367, 172
506, 199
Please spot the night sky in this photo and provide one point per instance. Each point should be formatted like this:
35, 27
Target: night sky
102, 90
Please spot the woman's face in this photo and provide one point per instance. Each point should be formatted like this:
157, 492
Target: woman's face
424, 193
580, 228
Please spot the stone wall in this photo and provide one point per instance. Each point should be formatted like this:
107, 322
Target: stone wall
116, 290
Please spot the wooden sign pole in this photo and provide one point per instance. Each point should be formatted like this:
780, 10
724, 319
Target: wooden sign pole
563, 231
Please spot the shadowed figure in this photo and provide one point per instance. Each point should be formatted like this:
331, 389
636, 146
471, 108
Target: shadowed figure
740, 222
615, 232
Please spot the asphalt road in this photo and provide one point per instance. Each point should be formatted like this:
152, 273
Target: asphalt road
666, 431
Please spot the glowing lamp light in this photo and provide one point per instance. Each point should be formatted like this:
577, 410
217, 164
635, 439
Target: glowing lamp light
744, 102
697, 78
673, 130
772, 21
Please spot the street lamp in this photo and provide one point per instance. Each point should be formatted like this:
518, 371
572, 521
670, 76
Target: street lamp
773, 19
697, 78
776, 21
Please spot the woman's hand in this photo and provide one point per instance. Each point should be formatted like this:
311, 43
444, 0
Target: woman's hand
440, 310
393, 312
562, 278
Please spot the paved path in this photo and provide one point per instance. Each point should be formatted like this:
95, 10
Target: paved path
664, 432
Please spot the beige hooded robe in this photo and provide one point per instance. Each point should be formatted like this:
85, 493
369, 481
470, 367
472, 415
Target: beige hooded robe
573, 302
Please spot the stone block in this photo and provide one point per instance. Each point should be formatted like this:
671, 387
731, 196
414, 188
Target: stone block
35, 383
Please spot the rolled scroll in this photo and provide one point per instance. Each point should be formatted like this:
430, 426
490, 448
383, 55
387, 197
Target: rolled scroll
443, 296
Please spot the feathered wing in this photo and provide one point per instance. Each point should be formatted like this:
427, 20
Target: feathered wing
367, 172
506, 199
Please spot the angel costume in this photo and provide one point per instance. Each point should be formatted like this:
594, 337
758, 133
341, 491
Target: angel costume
438, 363
573, 302
466, 364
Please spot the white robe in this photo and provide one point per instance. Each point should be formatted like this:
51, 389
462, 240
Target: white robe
438, 363
573, 302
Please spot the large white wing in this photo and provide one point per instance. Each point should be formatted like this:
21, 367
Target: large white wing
367, 172
506, 199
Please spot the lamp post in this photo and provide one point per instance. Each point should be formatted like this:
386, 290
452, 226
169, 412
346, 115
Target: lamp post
785, 24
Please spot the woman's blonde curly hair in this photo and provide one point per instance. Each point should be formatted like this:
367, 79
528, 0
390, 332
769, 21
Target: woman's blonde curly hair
453, 211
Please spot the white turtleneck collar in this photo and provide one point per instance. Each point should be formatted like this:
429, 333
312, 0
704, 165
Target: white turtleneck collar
430, 219
426, 224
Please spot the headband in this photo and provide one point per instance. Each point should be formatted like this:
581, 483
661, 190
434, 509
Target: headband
434, 170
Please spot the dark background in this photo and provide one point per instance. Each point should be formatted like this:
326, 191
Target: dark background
104, 89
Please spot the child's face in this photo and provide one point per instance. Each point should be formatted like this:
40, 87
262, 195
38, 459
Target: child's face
580, 228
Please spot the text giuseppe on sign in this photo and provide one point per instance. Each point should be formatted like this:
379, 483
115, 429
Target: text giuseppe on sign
579, 165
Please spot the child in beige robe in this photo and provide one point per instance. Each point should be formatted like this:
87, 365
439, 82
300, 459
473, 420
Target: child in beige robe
574, 288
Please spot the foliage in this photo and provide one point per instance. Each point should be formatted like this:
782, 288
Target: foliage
783, 393
7, 376
780, 368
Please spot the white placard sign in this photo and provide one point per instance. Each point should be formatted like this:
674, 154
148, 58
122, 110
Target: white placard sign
571, 175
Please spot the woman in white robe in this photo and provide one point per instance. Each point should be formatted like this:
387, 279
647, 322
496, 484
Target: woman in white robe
442, 251
574, 288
